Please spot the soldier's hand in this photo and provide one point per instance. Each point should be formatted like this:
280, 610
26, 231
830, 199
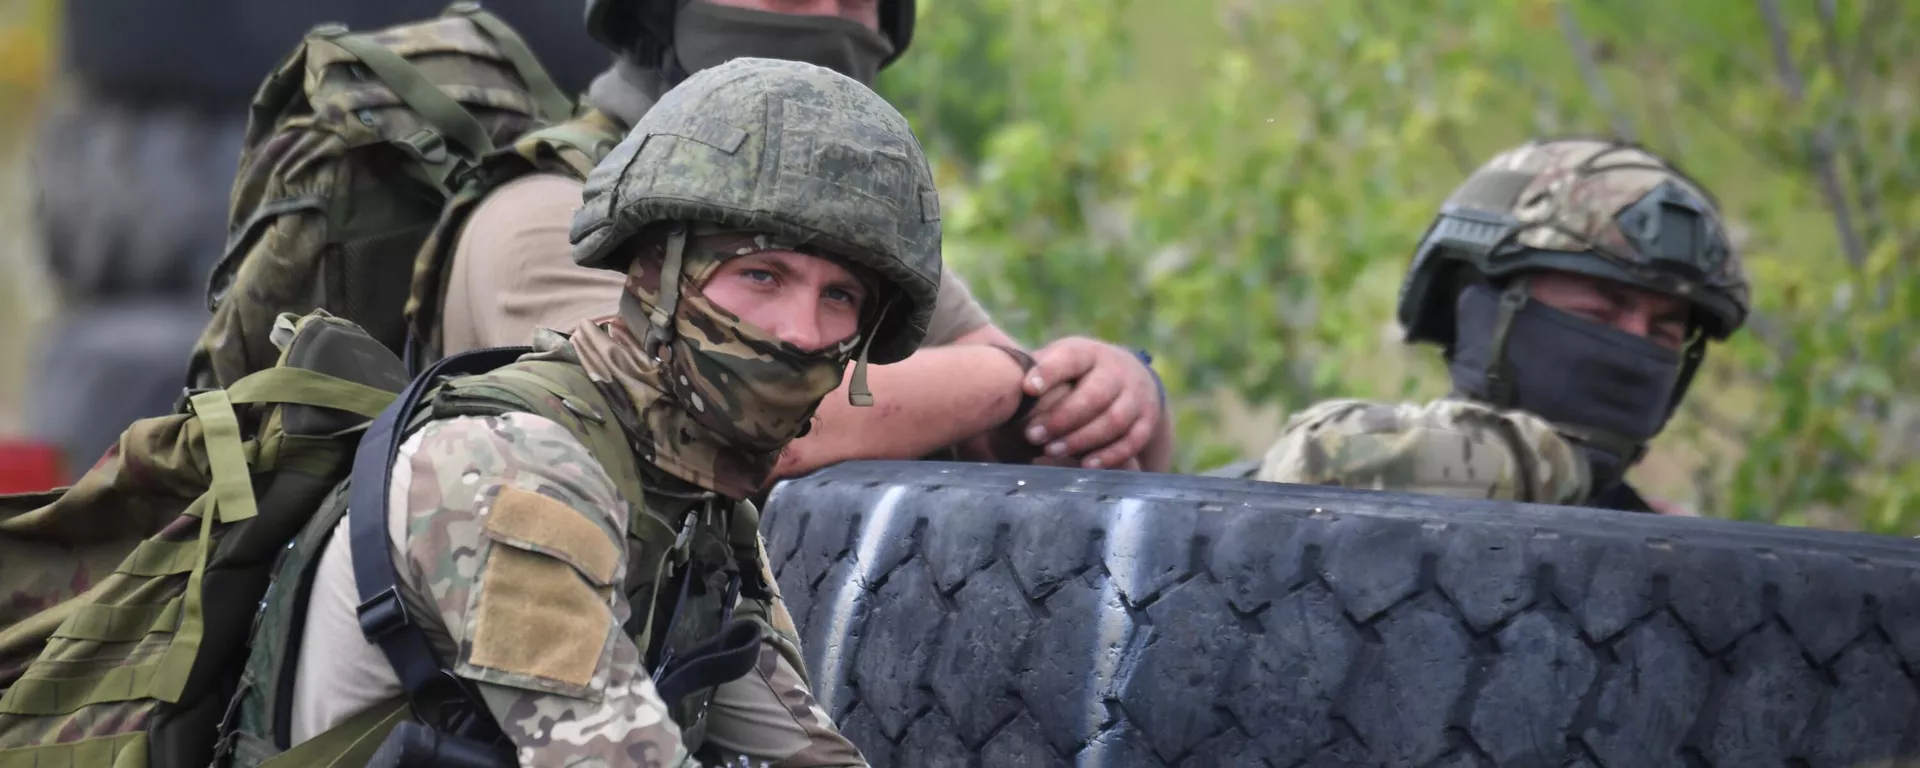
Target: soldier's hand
1098, 404
1671, 508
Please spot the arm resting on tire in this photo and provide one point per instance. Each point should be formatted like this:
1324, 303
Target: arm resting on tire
941, 396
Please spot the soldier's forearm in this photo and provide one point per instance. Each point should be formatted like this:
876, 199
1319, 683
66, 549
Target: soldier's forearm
936, 398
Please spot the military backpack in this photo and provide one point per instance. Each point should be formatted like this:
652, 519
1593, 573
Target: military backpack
363, 153
129, 595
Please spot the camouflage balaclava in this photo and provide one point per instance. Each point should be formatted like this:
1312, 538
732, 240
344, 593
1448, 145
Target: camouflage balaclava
750, 156
1593, 207
725, 394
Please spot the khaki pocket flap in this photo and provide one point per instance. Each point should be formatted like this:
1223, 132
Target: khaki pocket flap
535, 522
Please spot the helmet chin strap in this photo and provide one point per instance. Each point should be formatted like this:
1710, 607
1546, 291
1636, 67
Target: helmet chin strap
1500, 388
858, 395
660, 323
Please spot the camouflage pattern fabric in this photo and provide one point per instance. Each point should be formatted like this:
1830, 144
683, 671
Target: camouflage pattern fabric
785, 149
569, 149
108, 659
518, 540
1601, 208
1446, 447
718, 405
349, 160
1578, 199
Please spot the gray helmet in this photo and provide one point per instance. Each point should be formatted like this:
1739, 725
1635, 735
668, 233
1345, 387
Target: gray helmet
788, 149
1593, 206
643, 29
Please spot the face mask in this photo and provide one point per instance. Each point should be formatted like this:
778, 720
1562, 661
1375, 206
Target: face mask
750, 390
707, 35
1573, 372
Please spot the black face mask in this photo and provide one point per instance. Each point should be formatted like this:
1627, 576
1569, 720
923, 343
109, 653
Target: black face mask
708, 35
1573, 372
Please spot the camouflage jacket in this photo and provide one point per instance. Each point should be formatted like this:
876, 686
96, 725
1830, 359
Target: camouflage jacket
535, 560
1446, 447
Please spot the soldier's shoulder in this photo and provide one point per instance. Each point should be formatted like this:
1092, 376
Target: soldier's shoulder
1447, 446
523, 449
1356, 416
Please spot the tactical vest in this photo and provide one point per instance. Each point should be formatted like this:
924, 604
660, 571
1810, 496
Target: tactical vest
668, 535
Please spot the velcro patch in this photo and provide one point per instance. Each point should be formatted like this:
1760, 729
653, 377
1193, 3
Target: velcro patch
536, 618
539, 523
929, 206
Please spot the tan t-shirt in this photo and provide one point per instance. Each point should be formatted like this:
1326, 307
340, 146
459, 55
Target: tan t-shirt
513, 273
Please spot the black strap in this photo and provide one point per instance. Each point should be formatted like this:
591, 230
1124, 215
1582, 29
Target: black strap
413, 745
383, 615
721, 659
1500, 387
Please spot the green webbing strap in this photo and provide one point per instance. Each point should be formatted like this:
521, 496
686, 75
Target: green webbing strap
440, 110
350, 743
231, 497
572, 134
161, 558
125, 750
232, 487
549, 104
120, 623
66, 695
298, 386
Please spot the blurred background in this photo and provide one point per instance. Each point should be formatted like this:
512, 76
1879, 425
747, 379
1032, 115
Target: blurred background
1235, 185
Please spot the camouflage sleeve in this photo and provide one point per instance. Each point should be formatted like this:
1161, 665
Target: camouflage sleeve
516, 537
1444, 448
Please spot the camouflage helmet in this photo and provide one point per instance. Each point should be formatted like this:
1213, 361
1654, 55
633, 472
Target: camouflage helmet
1596, 207
644, 28
788, 149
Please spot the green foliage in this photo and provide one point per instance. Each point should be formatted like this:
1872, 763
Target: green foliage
1236, 185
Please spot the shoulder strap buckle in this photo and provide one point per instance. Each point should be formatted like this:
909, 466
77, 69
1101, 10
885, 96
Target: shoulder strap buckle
383, 614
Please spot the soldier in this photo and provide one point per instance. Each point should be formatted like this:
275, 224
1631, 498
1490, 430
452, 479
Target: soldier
772, 221
1574, 285
970, 388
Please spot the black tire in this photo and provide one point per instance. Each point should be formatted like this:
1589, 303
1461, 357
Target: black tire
133, 200
215, 53
1009, 616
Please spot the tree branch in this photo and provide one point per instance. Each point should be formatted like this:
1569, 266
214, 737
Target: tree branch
1859, 166
1590, 71
1822, 140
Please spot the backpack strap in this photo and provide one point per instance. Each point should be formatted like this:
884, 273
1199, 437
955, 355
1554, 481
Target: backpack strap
452, 121
384, 620
569, 148
550, 105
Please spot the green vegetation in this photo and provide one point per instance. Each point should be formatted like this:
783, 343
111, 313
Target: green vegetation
1237, 185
